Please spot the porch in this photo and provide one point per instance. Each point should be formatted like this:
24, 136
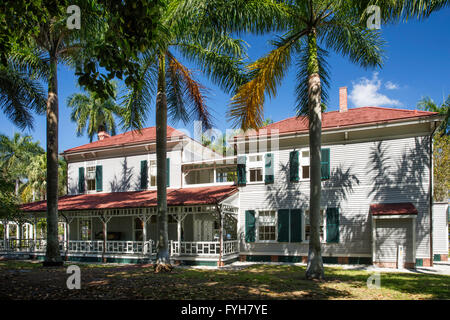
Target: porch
202, 226
124, 250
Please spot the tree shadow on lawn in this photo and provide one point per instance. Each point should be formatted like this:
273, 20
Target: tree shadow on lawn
254, 282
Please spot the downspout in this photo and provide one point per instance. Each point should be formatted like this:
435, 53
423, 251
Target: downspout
431, 193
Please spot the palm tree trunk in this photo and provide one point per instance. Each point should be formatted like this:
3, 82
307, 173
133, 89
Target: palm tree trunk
52, 255
162, 255
17, 187
314, 269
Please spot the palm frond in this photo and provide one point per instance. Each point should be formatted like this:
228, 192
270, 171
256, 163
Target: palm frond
345, 36
20, 95
247, 105
193, 91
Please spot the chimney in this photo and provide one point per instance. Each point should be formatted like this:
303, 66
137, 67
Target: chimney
343, 99
103, 135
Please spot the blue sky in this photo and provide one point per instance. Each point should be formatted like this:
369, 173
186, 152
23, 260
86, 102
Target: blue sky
417, 65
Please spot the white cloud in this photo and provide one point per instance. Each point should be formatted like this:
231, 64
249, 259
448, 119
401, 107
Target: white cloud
391, 86
365, 92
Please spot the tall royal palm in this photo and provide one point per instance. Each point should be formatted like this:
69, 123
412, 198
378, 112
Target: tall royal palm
93, 113
54, 44
178, 94
314, 26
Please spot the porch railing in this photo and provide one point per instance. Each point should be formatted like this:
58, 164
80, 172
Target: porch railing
79, 246
203, 248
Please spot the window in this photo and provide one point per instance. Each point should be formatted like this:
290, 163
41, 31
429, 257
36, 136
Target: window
255, 168
304, 165
266, 222
85, 229
138, 230
226, 174
152, 173
90, 178
255, 174
308, 226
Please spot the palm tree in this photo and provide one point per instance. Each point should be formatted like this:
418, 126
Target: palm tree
52, 45
178, 94
21, 94
313, 27
15, 156
93, 113
36, 186
427, 104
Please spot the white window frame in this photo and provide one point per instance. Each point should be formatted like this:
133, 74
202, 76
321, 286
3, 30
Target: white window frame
255, 165
92, 163
324, 239
303, 161
150, 173
257, 224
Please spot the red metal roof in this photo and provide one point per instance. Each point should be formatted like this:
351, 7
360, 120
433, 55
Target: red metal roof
392, 209
136, 199
127, 138
352, 117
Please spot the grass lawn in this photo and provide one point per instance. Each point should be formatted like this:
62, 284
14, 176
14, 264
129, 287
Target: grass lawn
29, 280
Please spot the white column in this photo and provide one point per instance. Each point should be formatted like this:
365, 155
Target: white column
179, 235
144, 233
7, 230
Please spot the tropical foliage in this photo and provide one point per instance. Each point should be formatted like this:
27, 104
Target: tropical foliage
94, 114
184, 30
441, 148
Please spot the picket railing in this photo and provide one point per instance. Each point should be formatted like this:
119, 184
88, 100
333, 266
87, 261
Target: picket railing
203, 248
79, 246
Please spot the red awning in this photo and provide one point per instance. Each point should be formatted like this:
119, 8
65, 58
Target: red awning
136, 199
392, 209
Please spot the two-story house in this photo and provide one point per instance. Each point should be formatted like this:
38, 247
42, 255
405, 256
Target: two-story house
376, 193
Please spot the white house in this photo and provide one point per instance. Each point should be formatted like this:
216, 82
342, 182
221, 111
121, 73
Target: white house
376, 194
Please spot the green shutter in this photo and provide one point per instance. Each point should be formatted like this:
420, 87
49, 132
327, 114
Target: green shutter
296, 225
80, 180
241, 170
332, 225
268, 178
283, 225
144, 174
250, 223
325, 164
168, 172
293, 166
99, 178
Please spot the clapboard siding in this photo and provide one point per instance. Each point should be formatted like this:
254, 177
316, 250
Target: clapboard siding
440, 228
362, 173
123, 173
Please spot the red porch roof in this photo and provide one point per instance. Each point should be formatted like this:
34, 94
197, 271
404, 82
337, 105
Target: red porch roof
136, 199
392, 209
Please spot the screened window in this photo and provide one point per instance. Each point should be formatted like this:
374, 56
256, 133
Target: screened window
266, 225
152, 173
90, 178
226, 174
308, 226
85, 229
138, 229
